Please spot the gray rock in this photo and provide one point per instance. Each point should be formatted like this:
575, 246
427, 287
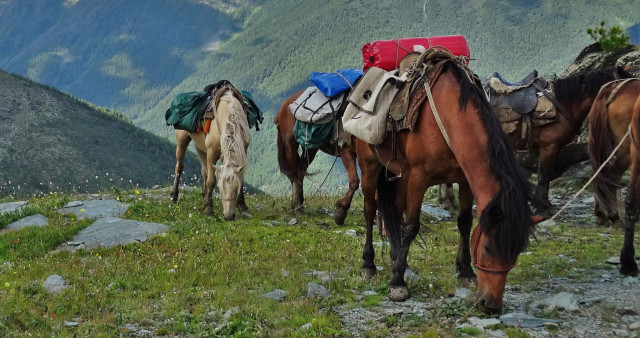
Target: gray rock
293, 221
479, 322
277, 294
232, 311
306, 327
55, 284
436, 212
112, 231
66, 323
634, 326
621, 333
315, 290
462, 293
33, 220
95, 208
351, 233
613, 260
8, 207
369, 293
524, 320
563, 300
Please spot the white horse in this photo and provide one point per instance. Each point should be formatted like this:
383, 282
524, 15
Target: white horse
227, 140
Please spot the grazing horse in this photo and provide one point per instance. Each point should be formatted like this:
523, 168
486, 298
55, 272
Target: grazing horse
574, 95
294, 164
227, 139
616, 112
456, 138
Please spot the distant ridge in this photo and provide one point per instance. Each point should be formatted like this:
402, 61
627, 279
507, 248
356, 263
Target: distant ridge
53, 142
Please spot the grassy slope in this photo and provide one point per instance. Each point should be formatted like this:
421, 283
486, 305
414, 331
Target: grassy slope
54, 142
184, 282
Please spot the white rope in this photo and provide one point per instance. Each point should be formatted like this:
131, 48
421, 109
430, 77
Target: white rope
594, 175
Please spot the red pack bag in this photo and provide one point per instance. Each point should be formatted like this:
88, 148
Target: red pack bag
386, 54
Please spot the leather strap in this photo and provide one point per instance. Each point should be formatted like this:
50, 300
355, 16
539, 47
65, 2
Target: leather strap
558, 105
436, 115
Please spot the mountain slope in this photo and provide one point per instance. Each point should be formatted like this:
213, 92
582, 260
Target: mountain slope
50, 142
117, 54
136, 57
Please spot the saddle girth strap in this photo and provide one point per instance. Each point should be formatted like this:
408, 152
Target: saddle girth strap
572, 121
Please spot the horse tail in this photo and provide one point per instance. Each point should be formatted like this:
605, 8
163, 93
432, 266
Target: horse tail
298, 171
601, 144
386, 206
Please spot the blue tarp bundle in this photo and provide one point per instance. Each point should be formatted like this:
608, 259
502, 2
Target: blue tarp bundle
332, 84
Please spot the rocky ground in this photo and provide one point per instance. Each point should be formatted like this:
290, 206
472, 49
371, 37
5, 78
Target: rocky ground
601, 304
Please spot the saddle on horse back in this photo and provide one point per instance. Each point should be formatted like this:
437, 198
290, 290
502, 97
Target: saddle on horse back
523, 103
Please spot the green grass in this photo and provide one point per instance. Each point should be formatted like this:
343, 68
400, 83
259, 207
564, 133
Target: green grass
184, 281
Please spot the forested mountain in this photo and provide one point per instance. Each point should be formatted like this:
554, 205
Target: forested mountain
52, 142
136, 55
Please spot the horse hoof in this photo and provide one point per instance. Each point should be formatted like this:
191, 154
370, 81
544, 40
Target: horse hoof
339, 217
629, 270
368, 273
398, 293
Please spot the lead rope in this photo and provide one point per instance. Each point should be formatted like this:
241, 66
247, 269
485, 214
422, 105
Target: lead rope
595, 174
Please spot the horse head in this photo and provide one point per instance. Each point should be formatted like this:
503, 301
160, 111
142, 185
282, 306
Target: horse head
229, 180
491, 268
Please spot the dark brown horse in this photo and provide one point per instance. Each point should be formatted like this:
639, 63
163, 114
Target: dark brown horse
575, 94
478, 157
615, 118
294, 163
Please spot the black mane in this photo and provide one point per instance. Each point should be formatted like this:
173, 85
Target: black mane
507, 217
579, 86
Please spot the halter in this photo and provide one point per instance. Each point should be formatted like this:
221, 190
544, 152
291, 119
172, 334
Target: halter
475, 241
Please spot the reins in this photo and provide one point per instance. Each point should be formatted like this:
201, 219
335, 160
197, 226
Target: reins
628, 134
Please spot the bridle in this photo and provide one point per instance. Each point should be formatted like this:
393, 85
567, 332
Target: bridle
475, 243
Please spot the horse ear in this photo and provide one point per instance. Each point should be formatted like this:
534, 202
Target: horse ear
238, 169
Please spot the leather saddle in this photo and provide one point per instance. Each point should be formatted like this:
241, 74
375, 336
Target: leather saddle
521, 96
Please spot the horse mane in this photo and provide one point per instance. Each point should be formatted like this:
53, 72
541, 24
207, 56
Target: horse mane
507, 217
582, 85
601, 146
235, 132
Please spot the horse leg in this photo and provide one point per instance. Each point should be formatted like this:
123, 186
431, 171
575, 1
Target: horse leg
398, 290
241, 204
209, 183
628, 266
182, 142
369, 177
202, 156
447, 197
546, 170
466, 276
348, 157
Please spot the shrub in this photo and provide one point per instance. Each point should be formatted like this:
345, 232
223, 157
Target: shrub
611, 39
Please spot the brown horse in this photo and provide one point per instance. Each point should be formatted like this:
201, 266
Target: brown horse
575, 94
478, 157
614, 114
294, 164
227, 140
